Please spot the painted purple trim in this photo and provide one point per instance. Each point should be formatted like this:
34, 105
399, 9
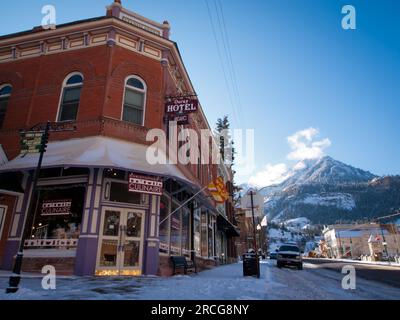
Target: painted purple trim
86, 256
100, 208
92, 198
147, 214
152, 260
10, 251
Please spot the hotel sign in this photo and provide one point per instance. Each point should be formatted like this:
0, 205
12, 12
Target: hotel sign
56, 207
181, 119
145, 184
181, 106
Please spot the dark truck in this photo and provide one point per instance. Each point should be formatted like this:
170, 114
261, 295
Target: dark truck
289, 254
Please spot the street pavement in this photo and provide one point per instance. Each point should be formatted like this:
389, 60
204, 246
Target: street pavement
389, 275
315, 282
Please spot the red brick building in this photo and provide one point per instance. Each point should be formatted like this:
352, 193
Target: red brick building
109, 77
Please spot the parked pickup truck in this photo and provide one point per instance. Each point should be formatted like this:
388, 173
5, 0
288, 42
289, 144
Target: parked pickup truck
289, 254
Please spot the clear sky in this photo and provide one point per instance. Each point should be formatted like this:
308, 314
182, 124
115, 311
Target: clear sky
295, 69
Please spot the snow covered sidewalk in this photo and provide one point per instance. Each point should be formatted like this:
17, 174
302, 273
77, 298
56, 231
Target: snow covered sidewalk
223, 283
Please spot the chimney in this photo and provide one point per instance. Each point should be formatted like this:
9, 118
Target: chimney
114, 9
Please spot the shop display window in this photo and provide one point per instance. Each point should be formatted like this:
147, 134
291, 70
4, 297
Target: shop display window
176, 226
186, 232
164, 227
57, 217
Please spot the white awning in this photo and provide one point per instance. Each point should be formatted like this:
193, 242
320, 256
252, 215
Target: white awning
97, 152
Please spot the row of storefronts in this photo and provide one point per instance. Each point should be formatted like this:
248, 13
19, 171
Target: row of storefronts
86, 222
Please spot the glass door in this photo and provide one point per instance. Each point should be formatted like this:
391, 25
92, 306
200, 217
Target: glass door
131, 242
121, 243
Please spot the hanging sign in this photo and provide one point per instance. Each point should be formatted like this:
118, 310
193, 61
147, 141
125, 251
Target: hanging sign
31, 142
56, 207
181, 106
181, 120
145, 184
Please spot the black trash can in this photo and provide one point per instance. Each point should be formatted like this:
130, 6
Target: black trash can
251, 265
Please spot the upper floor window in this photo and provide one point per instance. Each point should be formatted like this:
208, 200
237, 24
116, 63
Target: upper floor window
134, 101
70, 98
5, 93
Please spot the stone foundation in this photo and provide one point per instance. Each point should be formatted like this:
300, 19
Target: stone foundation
63, 266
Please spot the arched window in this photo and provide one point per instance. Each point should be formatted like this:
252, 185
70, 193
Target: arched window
5, 93
134, 101
70, 97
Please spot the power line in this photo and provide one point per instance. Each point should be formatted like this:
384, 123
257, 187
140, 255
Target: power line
224, 32
222, 63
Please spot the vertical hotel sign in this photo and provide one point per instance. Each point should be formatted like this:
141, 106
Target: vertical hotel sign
145, 184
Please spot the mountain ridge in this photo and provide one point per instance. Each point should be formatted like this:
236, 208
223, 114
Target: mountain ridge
326, 190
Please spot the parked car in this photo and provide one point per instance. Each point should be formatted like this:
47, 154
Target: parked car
289, 254
273, 255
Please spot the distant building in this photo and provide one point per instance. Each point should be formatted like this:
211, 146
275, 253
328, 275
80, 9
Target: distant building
368, 241
246, 239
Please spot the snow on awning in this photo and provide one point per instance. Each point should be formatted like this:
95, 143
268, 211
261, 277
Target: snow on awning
97, 152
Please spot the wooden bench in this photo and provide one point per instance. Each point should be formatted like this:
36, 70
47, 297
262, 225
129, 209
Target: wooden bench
180, 262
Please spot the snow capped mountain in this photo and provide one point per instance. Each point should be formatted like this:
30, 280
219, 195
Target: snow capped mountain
329, 171
326, 171
326, 190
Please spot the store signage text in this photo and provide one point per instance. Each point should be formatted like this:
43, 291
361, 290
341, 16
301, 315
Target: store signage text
182, 106
56, 207
181, 119
145, 184
31, 142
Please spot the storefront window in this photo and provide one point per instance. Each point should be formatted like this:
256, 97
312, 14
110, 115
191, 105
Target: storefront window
210, 237
196, 230
57, 217
186, 232
204, 239
163, 228
176, 225
119, 193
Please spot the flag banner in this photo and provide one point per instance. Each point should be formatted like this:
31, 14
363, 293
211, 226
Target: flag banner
218, 190
264, 222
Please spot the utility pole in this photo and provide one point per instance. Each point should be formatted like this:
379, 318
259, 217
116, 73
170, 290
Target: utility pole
15, 278
254, 222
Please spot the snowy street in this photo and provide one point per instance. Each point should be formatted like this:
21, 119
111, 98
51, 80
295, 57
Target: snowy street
223, 283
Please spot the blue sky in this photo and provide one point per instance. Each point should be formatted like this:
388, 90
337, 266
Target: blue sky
295, 67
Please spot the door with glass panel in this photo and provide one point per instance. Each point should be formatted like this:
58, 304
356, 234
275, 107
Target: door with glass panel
121, 242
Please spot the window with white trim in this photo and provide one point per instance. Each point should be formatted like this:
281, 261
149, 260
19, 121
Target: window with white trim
70, 99
5, 93
134, 101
